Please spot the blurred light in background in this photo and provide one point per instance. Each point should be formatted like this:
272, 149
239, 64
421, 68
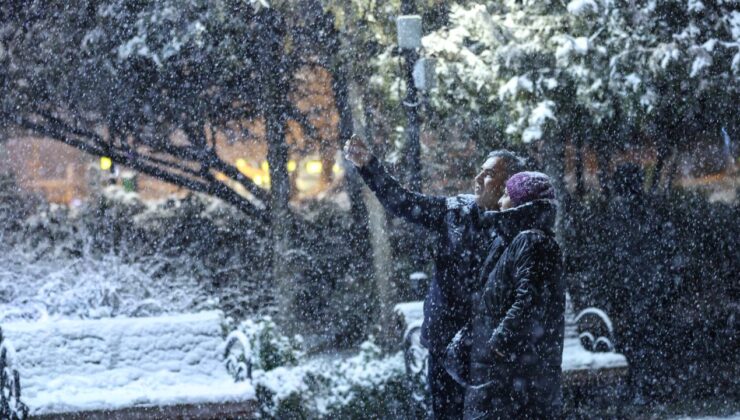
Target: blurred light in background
105, 163
313, 167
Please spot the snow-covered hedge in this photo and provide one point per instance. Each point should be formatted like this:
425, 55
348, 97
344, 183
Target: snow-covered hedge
342, 387
117, 255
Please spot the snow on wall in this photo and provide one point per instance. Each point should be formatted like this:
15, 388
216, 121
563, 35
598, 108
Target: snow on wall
73, 365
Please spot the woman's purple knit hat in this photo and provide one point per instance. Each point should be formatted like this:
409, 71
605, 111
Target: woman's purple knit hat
524, 187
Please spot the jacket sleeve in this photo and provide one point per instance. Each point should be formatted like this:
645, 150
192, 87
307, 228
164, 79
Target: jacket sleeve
425, 210
529, 266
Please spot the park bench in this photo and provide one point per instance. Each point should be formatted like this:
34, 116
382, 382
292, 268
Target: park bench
589, 355
157, 367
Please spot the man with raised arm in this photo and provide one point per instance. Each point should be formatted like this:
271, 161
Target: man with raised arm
460, 250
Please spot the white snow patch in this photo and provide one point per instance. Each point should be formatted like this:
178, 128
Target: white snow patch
460, 201
575, 357
696, 6
633, 81
411, 311
512, 87
541, 113
580, 45
701, 62
582, 7
734, 21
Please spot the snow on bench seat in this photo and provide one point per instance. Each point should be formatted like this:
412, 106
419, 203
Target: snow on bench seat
118, 363
575, 357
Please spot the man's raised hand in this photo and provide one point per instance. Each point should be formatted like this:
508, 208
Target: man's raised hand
356, 151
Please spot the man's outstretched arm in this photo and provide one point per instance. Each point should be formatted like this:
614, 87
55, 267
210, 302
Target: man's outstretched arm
428, 211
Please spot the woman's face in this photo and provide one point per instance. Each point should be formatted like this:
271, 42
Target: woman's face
504, 203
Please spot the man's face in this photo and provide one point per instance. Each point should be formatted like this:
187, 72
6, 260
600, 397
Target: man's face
490, 183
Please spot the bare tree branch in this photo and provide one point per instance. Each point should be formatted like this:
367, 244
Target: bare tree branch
213, 187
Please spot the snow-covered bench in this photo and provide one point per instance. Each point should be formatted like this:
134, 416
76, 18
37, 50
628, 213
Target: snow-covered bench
588, 351
166, 366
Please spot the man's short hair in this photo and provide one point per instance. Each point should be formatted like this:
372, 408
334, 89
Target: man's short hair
514, 162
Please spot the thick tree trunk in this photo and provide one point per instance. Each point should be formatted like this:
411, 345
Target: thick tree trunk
274, 74
280, 215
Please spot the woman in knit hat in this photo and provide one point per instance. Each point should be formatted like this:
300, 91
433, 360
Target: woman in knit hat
518, 316
524, 187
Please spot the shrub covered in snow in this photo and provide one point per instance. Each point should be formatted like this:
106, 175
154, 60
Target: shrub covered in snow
348, 387
259, 345
290, 385
119, 255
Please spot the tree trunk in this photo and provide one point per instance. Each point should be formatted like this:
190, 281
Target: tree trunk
274, 74
663, 152
554, 161
672, 171
603, 158
580, 187
280, 215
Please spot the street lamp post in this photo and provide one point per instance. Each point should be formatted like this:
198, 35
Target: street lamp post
409, 40
419, 75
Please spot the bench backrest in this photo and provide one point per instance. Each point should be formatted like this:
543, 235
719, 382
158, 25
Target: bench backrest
121, 349
412, 313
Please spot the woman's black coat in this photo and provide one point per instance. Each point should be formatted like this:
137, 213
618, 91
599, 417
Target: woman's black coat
518, 319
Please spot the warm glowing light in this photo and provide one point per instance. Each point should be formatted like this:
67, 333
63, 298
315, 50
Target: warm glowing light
292, 165
241, 164
313, 167
259, 176
221, 177
265, 166
336, 169
105, 163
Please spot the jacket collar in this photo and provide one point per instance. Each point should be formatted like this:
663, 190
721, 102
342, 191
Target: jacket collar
538, 214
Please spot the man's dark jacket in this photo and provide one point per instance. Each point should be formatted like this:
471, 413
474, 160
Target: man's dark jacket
518, 320
461, 247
